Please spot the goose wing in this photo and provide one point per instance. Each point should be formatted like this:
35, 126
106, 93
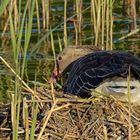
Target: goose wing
90, 70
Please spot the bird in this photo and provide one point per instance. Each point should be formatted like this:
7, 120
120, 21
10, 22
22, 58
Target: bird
108, 72
68, 56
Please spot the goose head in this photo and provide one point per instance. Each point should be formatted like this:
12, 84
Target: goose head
65, 59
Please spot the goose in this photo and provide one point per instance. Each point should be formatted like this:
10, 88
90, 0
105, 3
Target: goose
95, 70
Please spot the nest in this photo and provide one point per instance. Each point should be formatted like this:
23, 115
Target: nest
61, 116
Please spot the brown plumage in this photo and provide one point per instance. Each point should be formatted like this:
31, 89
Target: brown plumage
69, 55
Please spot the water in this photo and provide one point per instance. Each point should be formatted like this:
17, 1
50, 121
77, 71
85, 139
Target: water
40, 64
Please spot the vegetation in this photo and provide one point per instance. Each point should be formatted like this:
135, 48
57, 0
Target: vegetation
35, 28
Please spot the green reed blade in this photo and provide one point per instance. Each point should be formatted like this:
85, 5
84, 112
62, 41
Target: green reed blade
13, 36
33, 126
28, 32
3, 5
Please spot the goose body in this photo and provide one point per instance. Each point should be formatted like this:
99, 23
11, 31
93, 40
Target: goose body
105, 71
91, 70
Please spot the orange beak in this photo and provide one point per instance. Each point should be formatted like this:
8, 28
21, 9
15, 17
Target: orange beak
55, 74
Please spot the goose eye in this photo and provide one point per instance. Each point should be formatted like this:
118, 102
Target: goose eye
59, 58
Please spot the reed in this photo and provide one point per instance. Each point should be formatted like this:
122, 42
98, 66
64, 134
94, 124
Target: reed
102, 22
53, 29
25, 119
3, 6
16, 97
43, 14
16, 38
129, 101
20, 22
133, 32
34, 121
16, 15
60, 43
65, 23
78, 23
38, 17
53, 48
130, 8
48, 3
47, 119
107, 25
28, 31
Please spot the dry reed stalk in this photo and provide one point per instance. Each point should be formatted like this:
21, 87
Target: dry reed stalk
16, 15
47, 119
60, 44
13, 8
103, 25
25, 119
61, 107
111, 26
76, 32
5, 27
105, 133
38, 17
13, 112
65, 23
107, 25
101, 17
93, 15
106, 118
124, 108
130, 8
52, 92
97, 36
111, 31
47, 2
131, 11
79, 4
129, 101
43, 14
52, 46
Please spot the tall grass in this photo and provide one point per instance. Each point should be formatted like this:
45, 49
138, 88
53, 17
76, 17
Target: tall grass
17, 34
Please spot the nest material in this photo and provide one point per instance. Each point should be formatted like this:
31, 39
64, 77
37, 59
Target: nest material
71, 118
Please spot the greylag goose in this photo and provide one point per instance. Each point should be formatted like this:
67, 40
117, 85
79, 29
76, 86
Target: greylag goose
104, 71
70, 54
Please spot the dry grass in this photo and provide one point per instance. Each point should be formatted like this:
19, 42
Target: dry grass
71, 118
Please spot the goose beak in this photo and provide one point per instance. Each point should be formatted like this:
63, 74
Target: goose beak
54, 76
